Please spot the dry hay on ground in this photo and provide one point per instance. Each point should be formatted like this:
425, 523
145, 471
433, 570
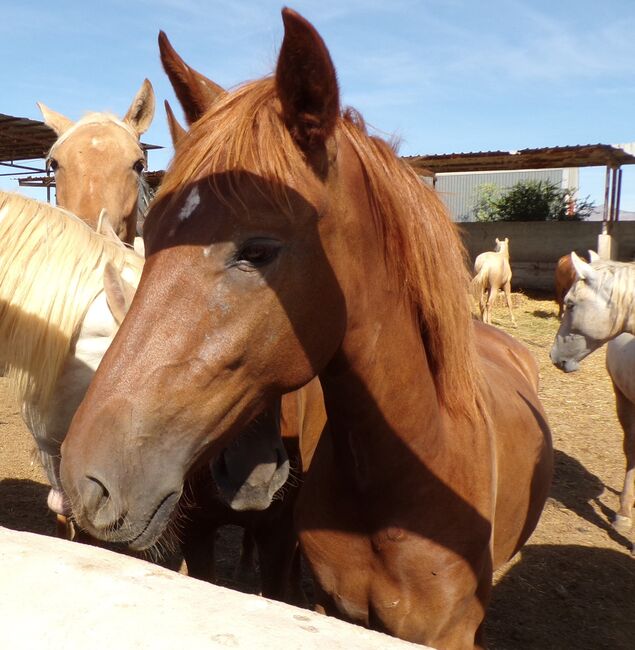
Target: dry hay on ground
573, 584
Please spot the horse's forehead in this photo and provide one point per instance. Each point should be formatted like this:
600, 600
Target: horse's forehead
100, 138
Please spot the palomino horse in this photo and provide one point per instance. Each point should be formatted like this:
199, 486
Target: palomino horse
98, 163
600, 308
64, 290
566, 276
286, 243
493, 272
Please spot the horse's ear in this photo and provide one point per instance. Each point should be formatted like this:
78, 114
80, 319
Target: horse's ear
104, 227
119, 293
583, 270
306, 84
195, 91
593, 256
177, 132
498, 240
141, 111
58, 122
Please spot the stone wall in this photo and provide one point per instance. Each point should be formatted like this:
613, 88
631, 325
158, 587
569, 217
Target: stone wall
535, 247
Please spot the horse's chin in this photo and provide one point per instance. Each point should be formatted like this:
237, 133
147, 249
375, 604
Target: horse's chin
569, 365
154, 529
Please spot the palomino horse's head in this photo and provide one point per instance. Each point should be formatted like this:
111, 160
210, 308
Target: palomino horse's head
98, 162
502, 246
258, 249
597, 308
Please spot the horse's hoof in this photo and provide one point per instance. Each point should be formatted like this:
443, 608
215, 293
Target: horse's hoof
622, 524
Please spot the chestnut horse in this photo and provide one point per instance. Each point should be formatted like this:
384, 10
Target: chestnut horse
566, 276
64, 289
286, 243
98, 164
301, 414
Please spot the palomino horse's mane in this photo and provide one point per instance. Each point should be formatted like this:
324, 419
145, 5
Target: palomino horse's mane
51, 269
243, 131
617, 279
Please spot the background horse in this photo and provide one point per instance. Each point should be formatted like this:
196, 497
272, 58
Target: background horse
493, 272
600, 308
286, 244
98, 163
565, 277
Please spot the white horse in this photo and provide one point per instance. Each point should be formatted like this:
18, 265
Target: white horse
600, 308
493, 272
64, 289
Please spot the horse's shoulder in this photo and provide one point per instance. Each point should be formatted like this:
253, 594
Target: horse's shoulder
500, 351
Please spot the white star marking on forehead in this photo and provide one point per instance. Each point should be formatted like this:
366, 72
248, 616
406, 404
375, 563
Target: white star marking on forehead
190, 205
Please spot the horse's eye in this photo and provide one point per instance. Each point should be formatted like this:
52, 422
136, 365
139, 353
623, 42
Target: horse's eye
53, 165
139, 166
258, 253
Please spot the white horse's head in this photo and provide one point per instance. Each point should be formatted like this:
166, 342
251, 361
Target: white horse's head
598, 307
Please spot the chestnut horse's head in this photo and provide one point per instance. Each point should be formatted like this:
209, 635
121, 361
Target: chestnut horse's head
259, 249
98, 162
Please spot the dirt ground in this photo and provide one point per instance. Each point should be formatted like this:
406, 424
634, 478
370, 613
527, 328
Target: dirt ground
573, 584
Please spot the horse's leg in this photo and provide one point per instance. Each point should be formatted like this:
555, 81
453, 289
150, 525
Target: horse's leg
493, 291
481, 302
198, 550
508, 299
277, 547
626, 415
245, 565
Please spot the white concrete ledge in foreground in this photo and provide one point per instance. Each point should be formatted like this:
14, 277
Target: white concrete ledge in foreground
62, 595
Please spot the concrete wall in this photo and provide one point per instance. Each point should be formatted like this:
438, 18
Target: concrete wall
58, 595
535, 247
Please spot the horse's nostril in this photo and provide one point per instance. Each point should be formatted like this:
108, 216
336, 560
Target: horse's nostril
94, 493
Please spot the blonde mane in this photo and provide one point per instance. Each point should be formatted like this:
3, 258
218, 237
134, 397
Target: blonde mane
617, 279
243, 131
51, 270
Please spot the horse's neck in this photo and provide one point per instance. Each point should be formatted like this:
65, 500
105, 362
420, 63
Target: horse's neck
626, 311
379, 393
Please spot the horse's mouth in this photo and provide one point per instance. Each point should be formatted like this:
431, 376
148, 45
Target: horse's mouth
155, 526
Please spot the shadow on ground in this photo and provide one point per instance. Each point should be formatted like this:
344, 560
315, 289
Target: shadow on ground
24, 506
543, 601
576, 489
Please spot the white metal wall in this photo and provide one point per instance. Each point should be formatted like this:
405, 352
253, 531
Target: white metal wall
459, 191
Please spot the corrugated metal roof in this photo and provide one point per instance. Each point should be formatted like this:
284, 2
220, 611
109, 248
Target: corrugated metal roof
24, 139
585, 155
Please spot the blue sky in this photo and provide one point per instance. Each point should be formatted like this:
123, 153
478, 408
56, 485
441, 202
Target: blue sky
443, 75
